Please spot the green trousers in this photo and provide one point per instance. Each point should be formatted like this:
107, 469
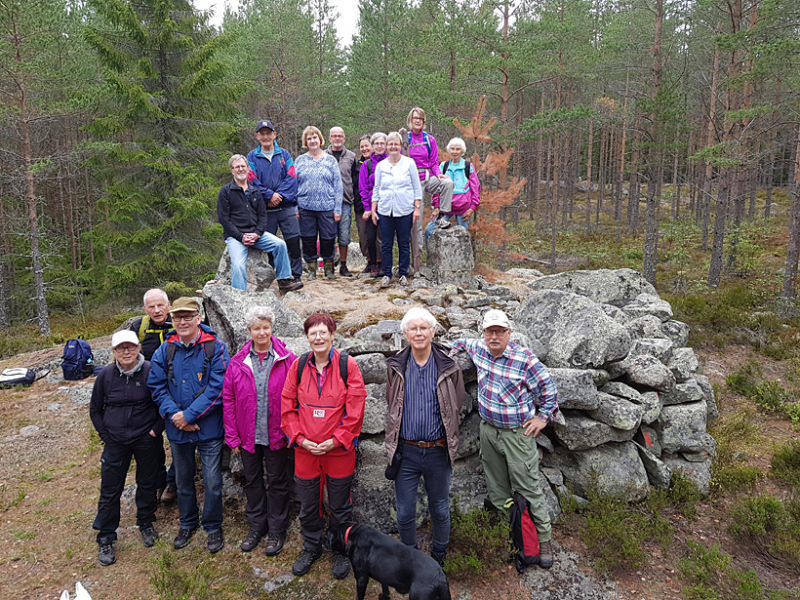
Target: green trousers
511, 464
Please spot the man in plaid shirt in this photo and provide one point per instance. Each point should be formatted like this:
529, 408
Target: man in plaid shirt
516, 400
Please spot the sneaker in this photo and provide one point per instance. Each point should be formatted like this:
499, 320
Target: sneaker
344, 271
385, 282
289, 285
149, 535
303, 563
439, 557
275, 543
106, 555
443, 223
545, 555
183, 537
340, 566
251, 542
170, 494
404, 281
216, 541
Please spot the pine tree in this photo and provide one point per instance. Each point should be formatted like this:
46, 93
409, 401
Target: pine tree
169, 117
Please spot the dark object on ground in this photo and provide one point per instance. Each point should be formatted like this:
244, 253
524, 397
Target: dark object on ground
106, 555
389, 562
183, 537
216, 541
169, 495
275, 543
149, 535
252, 540
524, 537
303, 563
20, 376
77, 362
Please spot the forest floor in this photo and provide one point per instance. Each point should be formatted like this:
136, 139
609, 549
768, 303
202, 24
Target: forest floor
50, 473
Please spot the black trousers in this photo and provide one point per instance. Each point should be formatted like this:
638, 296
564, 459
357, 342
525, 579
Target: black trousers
340, 506
147, 451
373, 235
267, 510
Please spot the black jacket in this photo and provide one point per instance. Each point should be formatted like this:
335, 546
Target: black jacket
241, 213
121, 407
154, 335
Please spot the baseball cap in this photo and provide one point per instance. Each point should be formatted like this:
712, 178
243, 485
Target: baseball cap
495, 318
185, 304
126, 336
264, 123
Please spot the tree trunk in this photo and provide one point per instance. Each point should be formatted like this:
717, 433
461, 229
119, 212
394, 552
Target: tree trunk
790, 276
720, 215
589, 154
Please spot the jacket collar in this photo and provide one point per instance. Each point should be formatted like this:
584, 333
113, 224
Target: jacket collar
440, 356
275, 152
281, 352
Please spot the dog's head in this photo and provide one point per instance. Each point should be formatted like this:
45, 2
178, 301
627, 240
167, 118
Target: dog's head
335, 537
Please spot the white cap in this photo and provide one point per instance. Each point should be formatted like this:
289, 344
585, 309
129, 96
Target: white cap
495, 318
126, 336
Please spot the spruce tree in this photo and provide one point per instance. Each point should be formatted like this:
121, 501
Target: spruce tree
169, 116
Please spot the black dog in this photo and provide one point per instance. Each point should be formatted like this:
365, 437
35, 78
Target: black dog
389, 562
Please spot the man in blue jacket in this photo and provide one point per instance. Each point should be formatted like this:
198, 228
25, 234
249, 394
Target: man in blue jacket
272, 172
186, 376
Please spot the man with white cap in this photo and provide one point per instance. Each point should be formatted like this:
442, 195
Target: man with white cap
517, 398
127, 421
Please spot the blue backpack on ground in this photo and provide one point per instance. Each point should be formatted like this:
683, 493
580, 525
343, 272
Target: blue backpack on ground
77, 362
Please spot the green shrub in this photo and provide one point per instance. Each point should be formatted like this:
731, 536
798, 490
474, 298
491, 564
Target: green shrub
734, 477
479, 540
684, 494
786, 465
770, 525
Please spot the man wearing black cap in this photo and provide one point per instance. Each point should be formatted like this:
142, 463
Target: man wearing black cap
273, 173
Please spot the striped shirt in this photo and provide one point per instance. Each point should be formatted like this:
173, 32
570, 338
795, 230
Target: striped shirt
261, 371
319, 183
512, 387
422, 418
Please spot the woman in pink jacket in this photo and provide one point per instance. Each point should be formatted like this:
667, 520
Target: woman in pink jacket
251, 409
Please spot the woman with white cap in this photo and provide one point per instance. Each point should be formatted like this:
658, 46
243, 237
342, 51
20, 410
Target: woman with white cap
127, 421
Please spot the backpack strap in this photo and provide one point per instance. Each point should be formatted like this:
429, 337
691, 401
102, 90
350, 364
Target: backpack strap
425, 139
208, 346
171, 348
303, 360
446, 166
143, 328
467, 168
301, 364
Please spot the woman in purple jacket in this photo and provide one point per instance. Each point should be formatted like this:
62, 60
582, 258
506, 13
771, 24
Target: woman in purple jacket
251, 409
366, 183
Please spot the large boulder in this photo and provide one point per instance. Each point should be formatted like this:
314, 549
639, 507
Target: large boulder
226, 307
260, 274
677, 331
658, 347
683, 363
688, 391
618, 287
372, 366
708, 391
576, 389
646, 370
697, 471
375, 409
573, 330
617, 412
450, 256
613, 468
682, 428
658, 473
373, 494
649, 304
581, 432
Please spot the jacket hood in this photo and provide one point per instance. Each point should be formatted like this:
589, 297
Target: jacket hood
280, 351
440, 355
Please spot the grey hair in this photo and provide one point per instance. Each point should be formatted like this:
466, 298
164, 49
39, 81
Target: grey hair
394, 135
236, 158
258, 313
457, 142
417, 312
155, 291
377, 135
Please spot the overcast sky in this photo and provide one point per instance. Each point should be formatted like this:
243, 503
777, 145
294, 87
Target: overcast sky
345, 26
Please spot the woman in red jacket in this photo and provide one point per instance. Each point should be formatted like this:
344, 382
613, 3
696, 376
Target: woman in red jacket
251, 412
322, 417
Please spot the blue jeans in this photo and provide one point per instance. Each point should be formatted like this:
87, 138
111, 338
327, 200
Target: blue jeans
433, 465
210, 452
343, 226
460, 220
268, 243
286, 219
402, 227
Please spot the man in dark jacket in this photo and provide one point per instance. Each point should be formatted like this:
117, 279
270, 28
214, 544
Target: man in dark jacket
152, 330
272, 172
186, 378
243, 216
425, 392
127, 421
348, 168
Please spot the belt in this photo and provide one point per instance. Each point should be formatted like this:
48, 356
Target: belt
434, 444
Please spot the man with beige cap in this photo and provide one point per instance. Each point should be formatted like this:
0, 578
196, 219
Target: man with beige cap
516, 400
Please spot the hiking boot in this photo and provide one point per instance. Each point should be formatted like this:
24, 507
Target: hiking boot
344, 271
299, 280
385, 282
149, 535
545, 555
275, 543
404, 281
439, 557
311, 270
374, 271
106, 555
328, 266
303, 563
183, 537
289, 285
169, 495
443, 223
251, 542
340, 566
216, 541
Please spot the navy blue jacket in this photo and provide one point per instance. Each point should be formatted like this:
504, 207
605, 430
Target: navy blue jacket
276, 175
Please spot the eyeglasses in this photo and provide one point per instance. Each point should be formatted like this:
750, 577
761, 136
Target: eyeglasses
318, 334
126, 349
490, 334
418, 329
178, 318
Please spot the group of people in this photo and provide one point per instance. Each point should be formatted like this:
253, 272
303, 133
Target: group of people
265, 403
313, 199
